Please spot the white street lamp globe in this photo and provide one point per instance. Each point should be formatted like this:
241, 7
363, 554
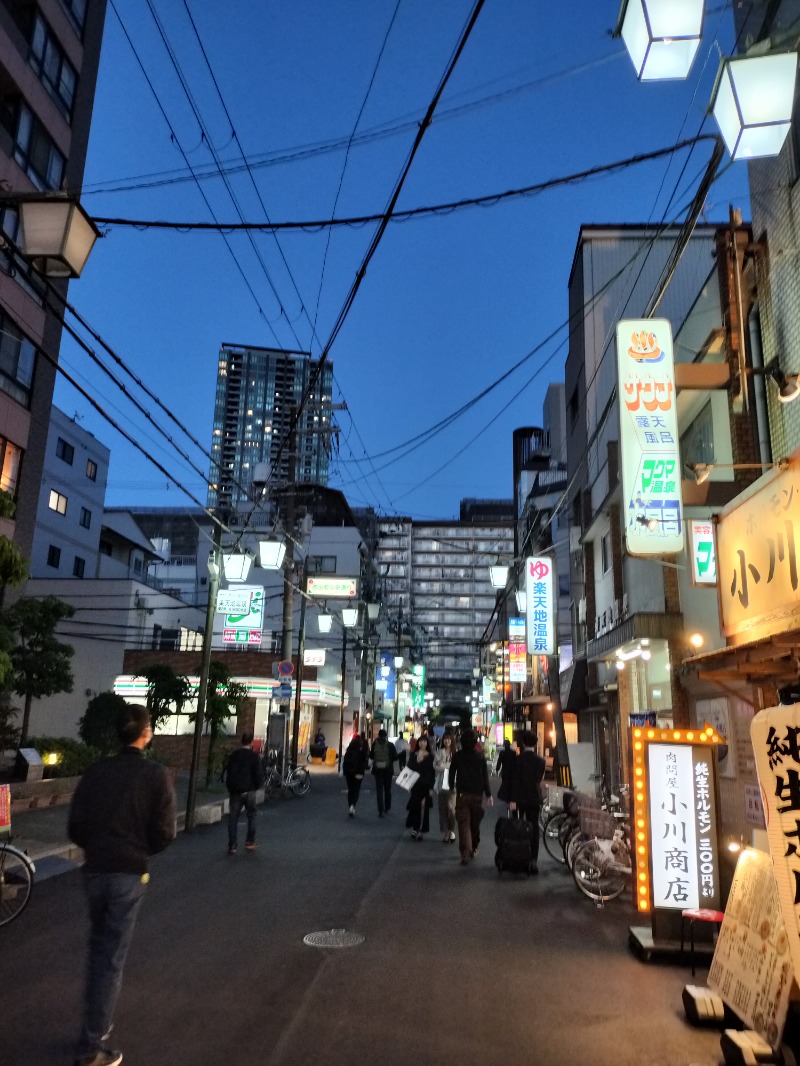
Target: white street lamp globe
324, 622
662, 36
349, 617
522, 600
57, 235
236, 566
398, 662
498, 575
753, 103
271, 554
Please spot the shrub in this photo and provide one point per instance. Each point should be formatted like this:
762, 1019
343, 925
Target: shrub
75, 756
98, 727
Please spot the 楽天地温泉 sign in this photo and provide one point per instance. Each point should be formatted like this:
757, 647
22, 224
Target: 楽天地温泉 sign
540, 605
775, 734
758, 558
244, 625
675, 815
649, 456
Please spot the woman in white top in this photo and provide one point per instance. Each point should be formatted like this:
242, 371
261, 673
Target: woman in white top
447, 798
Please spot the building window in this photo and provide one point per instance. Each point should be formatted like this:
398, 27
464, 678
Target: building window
10, 460
17, 361
13, 263
91, 469
54, 556
78, 566
322, 564
64, 451
35, 151
86, 517
697, 443
57, 502
76, 9
55, 71
605, 552
574, 407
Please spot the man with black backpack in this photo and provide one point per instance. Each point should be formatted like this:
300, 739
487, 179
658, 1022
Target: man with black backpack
383, 757
244, 776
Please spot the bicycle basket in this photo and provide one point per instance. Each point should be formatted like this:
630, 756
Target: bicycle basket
597, 823
574, 801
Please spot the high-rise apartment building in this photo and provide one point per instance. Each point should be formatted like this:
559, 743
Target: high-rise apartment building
49, 53
258, 392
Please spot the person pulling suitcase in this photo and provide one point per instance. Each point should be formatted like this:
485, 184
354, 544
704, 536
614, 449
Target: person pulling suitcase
526, 790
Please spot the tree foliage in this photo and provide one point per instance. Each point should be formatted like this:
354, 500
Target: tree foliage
40, 662
98, 727
167, 692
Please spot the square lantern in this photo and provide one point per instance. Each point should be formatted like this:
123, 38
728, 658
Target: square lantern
662, 36
498, 575
57, 235
753, 103
271, 554
236, 566
324, 622
349, 617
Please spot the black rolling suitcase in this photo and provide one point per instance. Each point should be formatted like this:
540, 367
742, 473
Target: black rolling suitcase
514, 838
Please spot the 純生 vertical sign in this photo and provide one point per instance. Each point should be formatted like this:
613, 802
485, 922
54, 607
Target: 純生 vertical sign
651, 478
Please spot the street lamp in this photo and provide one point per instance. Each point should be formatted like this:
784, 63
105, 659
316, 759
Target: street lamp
373, 611
349, 621
662, 36
237, 566
753, 102
271, 554
498, 575
57, 234
324, 622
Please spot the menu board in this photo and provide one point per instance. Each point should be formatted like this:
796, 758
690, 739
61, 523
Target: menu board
751, 970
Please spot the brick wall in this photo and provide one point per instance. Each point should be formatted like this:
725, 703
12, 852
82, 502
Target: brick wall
241, 663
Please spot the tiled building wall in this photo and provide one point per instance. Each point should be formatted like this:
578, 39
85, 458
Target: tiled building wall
775, 199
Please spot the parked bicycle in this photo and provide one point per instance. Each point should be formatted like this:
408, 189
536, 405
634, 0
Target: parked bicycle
295, 779
602, 865
17, 873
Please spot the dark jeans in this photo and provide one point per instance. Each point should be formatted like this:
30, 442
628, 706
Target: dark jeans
531, 814
469, 815
383, 789
353, 788
248, 801
114, 900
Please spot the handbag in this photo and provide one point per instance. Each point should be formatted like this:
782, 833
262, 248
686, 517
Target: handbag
407, 779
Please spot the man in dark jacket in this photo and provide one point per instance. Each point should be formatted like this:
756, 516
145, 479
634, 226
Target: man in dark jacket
525, 788
244, 777
469, 778
383, 757
122, 812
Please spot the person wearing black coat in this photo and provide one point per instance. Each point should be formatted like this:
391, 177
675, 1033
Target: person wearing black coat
354, 766
244, 776
420, 799
505, 767
526, 787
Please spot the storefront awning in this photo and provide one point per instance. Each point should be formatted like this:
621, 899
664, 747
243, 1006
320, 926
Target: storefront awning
652, 625
771, 660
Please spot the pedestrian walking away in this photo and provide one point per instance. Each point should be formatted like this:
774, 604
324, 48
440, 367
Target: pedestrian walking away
383, 757
526, 789
401, 747
354, 766
469, 778
420, 798
244, 777
505, 767
446, 798
123, 811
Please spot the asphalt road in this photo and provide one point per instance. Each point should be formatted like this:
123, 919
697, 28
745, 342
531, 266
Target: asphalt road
457, 966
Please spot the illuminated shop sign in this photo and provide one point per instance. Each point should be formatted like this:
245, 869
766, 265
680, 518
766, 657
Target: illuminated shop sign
775, 734
244, 625
540, 605
758, 557
651, 478
313, 657
418, 686
517, 656
704, 557
333, 588
675, 818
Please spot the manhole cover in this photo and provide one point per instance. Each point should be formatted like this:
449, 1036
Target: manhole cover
333, 938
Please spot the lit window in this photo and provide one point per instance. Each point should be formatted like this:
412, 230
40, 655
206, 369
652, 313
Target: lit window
91, 469
57, 502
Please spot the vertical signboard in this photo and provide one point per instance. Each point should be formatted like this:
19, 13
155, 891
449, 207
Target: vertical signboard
418, 687
541, 630
775, 734
675, 815
386, 673
704, 556
517, 657
651, 484
5, 808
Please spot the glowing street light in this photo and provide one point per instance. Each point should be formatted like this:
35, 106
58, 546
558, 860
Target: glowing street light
662, 36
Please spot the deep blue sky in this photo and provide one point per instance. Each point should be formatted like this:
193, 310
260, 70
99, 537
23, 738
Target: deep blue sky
448, 303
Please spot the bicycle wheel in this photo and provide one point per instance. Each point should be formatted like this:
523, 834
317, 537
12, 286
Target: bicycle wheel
592, 875
565, 832
575, 841
16, 883
299, 781
551, 831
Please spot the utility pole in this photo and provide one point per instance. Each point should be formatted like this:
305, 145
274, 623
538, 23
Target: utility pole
205, 663
341, 697
291, 508
396, 672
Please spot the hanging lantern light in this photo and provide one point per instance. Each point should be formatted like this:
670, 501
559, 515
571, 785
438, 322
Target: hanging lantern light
498, 575
522, 600
324, 622
350, 617
271, 554
57, 235
236, 566
662, 36
753, 102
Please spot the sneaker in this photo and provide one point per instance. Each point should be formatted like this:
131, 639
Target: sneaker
413, 834
250, 846
475, 853
352, 810
104, 1057
231, 849
452, 839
